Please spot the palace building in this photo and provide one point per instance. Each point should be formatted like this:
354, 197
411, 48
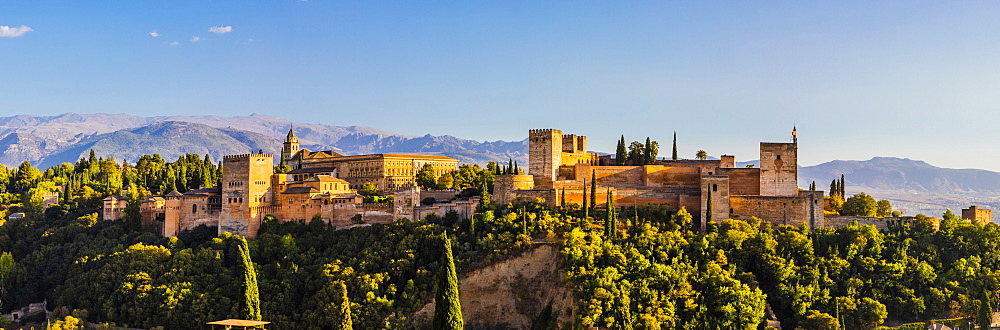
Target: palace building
322, 184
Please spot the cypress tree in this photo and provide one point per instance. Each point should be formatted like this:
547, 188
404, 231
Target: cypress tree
448, 307
675, 146
562, 201
345, 307
843, 186
620, 155
584, 205
510, 166
708, 206
834, 188
647, 153
484, 202
611, 220
250, 304
517, 170
593, 190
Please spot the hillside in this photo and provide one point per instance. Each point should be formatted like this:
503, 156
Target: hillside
50, 140
511, 294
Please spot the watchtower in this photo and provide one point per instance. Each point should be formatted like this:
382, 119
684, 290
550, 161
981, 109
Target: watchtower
246, 185
779, 168
545, 147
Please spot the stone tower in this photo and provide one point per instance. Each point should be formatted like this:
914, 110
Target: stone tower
246, 185
290, 147
779, 168
545, 147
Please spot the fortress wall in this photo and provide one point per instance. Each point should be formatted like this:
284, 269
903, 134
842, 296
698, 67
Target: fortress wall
743, 181
663, 176
776, 209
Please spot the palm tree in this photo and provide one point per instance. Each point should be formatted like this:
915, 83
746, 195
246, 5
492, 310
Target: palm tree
702, 155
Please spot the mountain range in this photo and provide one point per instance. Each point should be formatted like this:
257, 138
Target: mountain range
51, 140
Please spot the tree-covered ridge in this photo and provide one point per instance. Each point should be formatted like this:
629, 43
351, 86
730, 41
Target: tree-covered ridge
661, 277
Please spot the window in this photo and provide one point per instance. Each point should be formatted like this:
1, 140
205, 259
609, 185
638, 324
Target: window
715, 187
779, 157
194, 208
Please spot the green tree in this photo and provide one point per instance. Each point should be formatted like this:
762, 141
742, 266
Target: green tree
368, 189
860, 204
701, 154
654, 151
621, 156
816, 320
843, 186
250, 304
593, 191
34, 198
425, 177
683, 219
281, 168
26, 177
6, 270
612, 215
345, 307
448, 306
674, 154
445, 181
884, 208
636, 151
708, 206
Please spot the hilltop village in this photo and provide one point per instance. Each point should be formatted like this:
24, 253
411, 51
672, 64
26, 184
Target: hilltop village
325, 184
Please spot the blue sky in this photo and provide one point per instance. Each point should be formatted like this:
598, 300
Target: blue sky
860, 79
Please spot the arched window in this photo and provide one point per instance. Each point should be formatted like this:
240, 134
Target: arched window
194, 208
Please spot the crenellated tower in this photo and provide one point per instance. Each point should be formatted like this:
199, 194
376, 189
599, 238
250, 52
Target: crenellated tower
246, 185
545, 148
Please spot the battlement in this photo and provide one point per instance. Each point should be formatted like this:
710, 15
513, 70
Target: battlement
544, 131
247, 156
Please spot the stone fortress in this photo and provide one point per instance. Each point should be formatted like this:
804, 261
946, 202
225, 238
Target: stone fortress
560, 168
322, 183
325, 184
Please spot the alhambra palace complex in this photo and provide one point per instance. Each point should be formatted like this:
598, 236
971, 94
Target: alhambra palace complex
325, 184
559, 167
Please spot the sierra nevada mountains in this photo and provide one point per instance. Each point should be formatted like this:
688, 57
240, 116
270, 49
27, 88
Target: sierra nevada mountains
51, 140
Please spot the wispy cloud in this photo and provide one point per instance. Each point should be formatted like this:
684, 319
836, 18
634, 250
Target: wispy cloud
175, 43
221, 29
154, 34
11, 32
197, 39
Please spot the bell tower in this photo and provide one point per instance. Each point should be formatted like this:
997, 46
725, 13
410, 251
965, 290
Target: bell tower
290, 147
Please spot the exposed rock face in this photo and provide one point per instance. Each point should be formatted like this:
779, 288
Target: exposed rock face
512, 293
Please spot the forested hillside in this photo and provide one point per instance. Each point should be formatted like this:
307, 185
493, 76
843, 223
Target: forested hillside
637, 267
